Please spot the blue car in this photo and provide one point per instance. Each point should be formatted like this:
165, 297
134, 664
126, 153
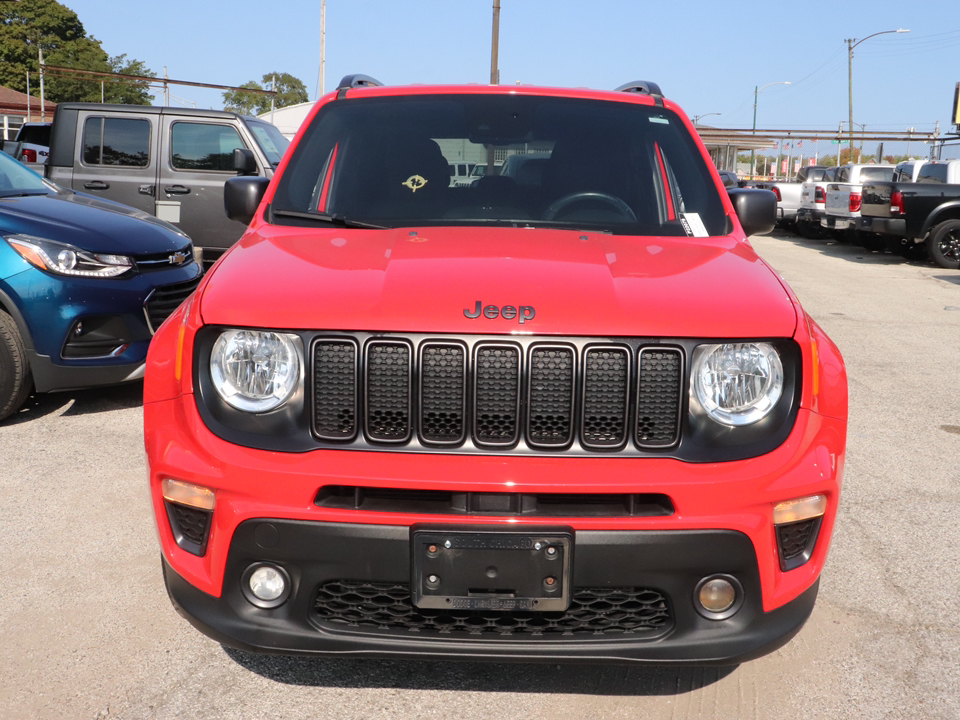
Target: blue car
84, 283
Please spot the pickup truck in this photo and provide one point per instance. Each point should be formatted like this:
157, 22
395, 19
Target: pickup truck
813, 196
788, 192
925, 212
843, 199
169, 162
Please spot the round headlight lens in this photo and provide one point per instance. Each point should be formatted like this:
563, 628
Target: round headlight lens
255, 370
738, 383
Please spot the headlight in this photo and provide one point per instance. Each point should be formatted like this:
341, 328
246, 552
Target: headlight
255, 370
62, 259
738, 383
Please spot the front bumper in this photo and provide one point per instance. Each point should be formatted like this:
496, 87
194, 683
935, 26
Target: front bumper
383, 623
722, 523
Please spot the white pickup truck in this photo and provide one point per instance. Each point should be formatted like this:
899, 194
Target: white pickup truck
788, 192
813, 198
844, 196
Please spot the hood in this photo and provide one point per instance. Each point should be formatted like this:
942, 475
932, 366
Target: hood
539, 281
89, 223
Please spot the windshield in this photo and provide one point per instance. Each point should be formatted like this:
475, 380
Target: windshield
540, 161
270, 140
15, 179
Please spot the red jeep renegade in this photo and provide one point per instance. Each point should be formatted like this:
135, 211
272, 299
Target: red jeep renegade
565, 413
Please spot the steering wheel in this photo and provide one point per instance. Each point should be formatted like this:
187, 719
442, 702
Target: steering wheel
612, 200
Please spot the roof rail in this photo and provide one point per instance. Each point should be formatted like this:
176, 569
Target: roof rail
643, 86
356, 81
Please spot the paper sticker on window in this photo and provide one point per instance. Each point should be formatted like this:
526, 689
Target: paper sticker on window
693, 225
659, 119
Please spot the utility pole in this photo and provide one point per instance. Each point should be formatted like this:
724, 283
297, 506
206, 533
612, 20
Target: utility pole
495, 47
323, 49
43, 111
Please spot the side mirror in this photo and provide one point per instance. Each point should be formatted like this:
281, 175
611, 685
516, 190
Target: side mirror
242, 196
244, 162
756, 209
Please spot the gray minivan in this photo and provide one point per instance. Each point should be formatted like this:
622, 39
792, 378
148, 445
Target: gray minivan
169, 162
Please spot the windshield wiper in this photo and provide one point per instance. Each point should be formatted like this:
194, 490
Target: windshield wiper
327, 218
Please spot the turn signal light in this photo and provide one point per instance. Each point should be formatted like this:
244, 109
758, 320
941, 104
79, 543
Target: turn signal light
800, 509
184, 493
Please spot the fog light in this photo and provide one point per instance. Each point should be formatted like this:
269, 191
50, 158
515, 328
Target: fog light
266, 586
718, 596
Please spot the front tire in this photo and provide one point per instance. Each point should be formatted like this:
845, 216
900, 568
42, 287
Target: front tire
16, 380
944, 244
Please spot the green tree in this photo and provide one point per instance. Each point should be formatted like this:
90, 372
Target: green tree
29, 26
290, 91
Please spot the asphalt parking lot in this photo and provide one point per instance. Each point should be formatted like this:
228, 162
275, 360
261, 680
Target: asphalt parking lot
86, 629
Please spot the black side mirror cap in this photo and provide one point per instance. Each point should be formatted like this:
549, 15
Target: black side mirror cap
242, 196
756, 209
244, 162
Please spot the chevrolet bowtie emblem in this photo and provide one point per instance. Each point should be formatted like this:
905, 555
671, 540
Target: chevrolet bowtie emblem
414, 182
178, 258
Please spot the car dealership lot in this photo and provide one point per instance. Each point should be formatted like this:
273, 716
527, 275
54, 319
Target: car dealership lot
88, 632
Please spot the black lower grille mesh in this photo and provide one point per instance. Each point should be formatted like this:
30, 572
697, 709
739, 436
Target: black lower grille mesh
658, 398
593, 611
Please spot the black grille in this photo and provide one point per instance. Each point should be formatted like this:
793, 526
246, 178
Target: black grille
658, 397
606, 389
497, 395
796, 541
550, 414
335, 387
442, 392
165, 299
388, 391
191, 527
475, 394
386, 607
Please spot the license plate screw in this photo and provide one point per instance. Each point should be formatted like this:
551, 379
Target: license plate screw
433, 582
448, 544
538, 546
431, 549
550, 581
551, 551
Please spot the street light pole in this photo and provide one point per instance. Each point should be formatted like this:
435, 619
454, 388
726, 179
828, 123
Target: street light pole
851, 44
495, 45
753, 151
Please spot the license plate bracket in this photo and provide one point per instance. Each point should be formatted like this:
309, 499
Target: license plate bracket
492, 569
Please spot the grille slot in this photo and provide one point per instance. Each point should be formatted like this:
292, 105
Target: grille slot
388, 391
335, 389
161, 303
422, 393
448, 502
387, 608
497, 395
795, 542
550, 407
660, 379
190, 526
606, 402
443, 377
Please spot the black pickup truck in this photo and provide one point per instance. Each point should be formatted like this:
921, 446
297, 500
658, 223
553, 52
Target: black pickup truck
913, 214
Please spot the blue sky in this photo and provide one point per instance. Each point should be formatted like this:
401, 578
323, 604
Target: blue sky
707, 56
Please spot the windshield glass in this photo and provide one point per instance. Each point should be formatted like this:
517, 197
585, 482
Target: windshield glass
540, 161
270, 139
15, 179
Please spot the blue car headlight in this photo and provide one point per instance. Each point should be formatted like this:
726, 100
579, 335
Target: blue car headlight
63, 259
